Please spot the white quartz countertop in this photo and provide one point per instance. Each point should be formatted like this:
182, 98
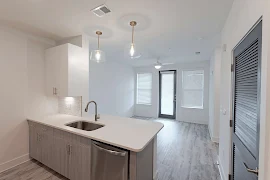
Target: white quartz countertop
128, 133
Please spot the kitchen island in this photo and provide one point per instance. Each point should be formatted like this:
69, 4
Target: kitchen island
69, 150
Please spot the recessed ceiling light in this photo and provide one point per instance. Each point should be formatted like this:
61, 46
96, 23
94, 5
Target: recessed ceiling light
198, 53
200, 38
101, 10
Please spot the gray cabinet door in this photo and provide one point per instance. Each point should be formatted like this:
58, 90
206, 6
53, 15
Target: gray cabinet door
66, 153
46, 146
80, 161
34, 141
60, 156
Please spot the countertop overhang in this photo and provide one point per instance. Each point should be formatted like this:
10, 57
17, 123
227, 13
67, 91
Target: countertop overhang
127, 133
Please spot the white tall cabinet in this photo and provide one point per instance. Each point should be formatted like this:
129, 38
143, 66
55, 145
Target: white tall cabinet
66, 71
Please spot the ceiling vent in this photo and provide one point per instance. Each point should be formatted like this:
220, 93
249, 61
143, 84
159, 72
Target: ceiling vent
101, 10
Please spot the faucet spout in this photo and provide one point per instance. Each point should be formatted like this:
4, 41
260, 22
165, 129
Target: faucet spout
86, 109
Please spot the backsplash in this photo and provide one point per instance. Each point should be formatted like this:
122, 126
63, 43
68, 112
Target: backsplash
70, 105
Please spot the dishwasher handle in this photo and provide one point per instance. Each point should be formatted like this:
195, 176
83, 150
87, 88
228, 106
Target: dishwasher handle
116, 153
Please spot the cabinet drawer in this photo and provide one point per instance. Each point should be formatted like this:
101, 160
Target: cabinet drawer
46, 129
57, 133
40, 128
80, 140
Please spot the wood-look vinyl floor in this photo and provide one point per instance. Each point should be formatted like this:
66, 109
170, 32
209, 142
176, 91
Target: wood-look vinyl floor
185, 152
31, 170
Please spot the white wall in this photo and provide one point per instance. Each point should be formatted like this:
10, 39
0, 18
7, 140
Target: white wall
244, 14
111, 84
112, 87
182, 114
214, 96
22, 92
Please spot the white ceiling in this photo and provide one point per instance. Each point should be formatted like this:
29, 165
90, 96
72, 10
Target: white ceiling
169, 29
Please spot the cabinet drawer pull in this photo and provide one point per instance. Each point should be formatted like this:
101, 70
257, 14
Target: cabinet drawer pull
68, 149
39, 137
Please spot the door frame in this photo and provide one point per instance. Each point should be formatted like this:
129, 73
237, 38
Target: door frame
233, 97
159, 98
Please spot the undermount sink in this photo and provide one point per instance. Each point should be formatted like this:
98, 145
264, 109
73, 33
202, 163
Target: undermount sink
86, 126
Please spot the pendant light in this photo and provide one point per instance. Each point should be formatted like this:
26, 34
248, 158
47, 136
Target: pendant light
132, 50
97, 55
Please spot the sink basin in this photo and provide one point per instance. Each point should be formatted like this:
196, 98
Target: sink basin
86, 126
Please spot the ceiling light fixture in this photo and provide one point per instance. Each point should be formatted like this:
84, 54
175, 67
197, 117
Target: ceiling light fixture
158, 65
132, 50
97, 55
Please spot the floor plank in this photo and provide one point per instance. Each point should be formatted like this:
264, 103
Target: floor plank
185, 152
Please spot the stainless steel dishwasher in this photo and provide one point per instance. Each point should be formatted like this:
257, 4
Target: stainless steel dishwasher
108, 162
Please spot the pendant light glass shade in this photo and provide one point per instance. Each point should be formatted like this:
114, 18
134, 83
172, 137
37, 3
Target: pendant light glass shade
132, 50
158, 65
98, 55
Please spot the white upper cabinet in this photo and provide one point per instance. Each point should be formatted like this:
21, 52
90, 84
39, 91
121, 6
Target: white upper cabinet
65, 71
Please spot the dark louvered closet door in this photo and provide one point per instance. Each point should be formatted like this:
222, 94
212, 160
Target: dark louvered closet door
246, 106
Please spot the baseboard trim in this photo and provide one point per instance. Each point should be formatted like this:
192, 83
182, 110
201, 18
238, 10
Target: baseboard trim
155, 176
14, 162
221, 171
213, 139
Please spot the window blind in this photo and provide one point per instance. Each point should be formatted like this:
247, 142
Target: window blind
144, 88
192, 89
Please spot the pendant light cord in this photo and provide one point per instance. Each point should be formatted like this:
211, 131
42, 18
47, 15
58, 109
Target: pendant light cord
98, 42
132, 34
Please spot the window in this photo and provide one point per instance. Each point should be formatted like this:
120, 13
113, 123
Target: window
144, 88
192, 89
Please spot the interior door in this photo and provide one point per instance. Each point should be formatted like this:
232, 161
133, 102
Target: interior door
246, 106
167, 94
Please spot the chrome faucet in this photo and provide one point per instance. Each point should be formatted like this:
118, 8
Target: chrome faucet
96, 115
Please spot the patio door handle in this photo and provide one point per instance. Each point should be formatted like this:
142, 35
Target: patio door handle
254, 171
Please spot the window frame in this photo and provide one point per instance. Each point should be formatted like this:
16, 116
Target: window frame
137, 89
198, 90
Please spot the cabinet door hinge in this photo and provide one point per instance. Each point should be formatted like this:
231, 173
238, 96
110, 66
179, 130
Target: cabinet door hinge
230, 177
231, 123
232, 67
